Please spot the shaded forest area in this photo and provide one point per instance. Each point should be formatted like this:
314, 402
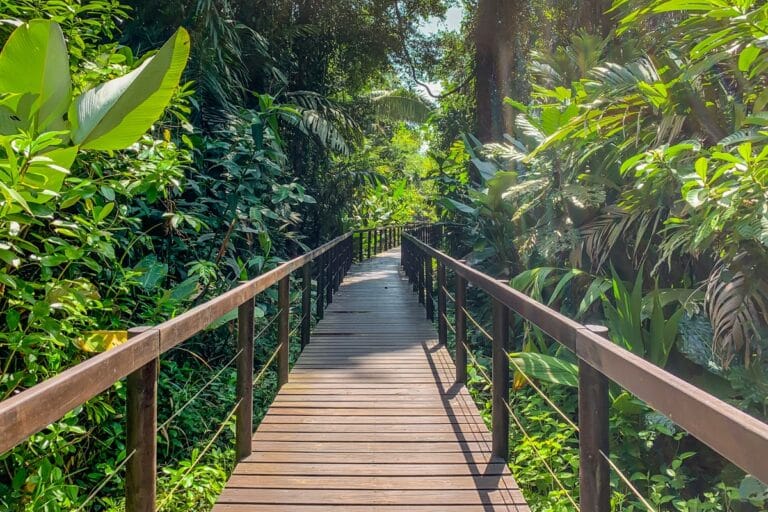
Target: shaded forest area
607, 158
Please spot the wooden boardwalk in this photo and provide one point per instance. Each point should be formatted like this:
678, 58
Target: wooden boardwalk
371, 419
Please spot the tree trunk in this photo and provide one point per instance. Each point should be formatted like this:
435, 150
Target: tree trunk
593, 17
501, 45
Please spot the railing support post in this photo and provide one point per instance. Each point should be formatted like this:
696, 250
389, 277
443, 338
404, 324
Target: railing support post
500, 376
421, 276
461, 330
360, 249
283, 338
319, 296
330, 261
442, 322
244, 422
594, 472
428, 297
338, 259
141, 468
369, 243
306, 303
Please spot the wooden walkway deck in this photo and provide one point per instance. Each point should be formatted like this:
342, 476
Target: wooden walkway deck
371, 419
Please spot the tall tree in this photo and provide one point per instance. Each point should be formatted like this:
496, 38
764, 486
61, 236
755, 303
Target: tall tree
502, 40
594, 17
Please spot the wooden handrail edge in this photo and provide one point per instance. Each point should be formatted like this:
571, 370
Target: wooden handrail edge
734, 434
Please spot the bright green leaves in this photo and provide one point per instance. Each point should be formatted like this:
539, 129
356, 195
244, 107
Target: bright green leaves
36, 93
115, 114
546, 368
747, 57
36, 88
34, 63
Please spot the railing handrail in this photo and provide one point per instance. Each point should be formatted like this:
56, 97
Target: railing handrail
33, 409
734, 434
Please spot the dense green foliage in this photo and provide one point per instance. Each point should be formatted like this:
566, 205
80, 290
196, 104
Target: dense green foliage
610, 164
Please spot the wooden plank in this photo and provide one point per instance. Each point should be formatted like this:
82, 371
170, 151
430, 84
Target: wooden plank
368, 469
369, 497
273, 507
477, 458
370, 447
371, 437
377, 428
382, 482
373, 418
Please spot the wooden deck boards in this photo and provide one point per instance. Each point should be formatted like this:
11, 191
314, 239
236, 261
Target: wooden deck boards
371, 419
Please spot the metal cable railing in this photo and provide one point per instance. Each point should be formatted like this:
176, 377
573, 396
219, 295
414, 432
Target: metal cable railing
169, 495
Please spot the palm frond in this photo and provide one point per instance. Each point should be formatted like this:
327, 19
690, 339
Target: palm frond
401, 105
737, 306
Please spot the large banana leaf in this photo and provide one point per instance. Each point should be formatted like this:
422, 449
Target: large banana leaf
547, 368
115, 114
34, 62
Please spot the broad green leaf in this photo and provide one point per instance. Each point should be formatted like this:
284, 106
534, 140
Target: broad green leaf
12, 198
598, 287
747, 57
115, 114
696, 197
34, 61
547, 368
452, 204
629, 405
487, 169
100, 341
563, 283
46, 173
153, 272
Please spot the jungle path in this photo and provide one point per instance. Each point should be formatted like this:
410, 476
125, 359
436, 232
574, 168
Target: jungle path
371, 418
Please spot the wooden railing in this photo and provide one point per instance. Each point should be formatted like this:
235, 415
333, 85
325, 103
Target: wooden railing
737, 436
34, 409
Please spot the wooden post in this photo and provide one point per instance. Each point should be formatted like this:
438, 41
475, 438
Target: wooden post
360, 248
442, 323
594, 472
244, 424
461, 330
306, 303
369, 244
329, 263
421, 276
141, 468
500, 376
283, 339
429, 288
338, 258
319, 297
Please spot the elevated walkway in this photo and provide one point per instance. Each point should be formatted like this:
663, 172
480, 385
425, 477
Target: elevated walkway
371, 419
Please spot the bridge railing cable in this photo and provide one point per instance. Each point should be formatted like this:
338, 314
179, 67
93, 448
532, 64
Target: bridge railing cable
600, 362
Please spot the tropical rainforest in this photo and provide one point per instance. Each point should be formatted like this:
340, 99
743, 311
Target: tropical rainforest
609, 159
